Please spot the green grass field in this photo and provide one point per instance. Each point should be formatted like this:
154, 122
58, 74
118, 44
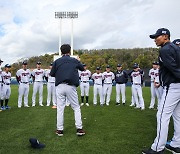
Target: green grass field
112, 129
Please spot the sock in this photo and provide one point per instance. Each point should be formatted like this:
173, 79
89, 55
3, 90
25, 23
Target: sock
2, 102
82, 99
87, 97
6, 102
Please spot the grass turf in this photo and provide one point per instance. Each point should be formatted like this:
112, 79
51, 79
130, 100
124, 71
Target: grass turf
109, 129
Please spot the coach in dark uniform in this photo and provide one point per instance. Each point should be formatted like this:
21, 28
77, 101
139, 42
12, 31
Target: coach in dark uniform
65, 71
169, 60
121, 78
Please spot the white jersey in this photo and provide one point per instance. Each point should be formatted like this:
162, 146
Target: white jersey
84, 75
152, 73
50, 78
136, 77
156, 76
98, 78
38, 74
24, 75
0, 75
6, 77
108, 77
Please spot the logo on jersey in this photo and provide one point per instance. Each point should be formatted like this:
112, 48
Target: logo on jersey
84, 74
107, 76
38, 73
98, 77
25, 74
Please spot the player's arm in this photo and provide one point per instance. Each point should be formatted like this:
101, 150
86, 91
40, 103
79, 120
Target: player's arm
53, 70
125, 76
46, 76
33, 76
18, 78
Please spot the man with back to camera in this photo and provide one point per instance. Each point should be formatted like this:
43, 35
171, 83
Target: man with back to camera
38, 77
121, 78
1, 84
23, 75
152, 76
65, 71
169, 60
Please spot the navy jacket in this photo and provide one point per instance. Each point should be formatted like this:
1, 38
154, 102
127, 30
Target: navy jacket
65, 70
169, 60
121, 77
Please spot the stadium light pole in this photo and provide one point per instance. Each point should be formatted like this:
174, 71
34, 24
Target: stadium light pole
66, 15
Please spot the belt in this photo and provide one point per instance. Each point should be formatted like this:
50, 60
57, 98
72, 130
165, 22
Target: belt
38, 81
84, 81
25, 82
120, 83
98, 84
7, 83
136, 83
51, 82
107, 83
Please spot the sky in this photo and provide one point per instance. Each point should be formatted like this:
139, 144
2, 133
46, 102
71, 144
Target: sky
29, 28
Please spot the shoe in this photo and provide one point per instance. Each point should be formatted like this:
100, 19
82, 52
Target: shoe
0, 110
54, 107
132, 105
124, 104
33, 105
117, 104
87, 104
172, 149
151, 107
150, 151
48, 105
3, 108
80, 132
59, 132
19, 107
41, 105
137, 107
7, 107
82, 104
102, 104
142, 108
107, 104
26, 106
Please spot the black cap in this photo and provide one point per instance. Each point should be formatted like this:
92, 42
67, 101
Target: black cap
35, 143
51, 64
135, 66
161, 31
7, 66
84, 65
119, 65
1, 61
108, 66
155, 63
98, 68
176, 41
24, 62
39, 63
65, 48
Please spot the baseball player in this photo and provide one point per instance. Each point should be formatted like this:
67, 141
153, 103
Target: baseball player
84, 86
23, 75
65, 71
169, 60
177, 42
121, 78
6, 77
98, 79
38, 77
137, 75
51, 90
152, 76
107, 87
1, 84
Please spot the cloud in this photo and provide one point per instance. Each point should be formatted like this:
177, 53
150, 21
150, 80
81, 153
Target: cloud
29, 28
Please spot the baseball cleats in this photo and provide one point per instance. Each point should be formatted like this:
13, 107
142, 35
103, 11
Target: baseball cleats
7, 107
59, 132
132, 105
3, 108
26, 106
0, 110
87, 104
82, 104
117, 104
80, 132
172, 149
150, 151
41, 105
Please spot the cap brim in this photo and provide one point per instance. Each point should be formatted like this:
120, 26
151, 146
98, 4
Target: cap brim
153, 36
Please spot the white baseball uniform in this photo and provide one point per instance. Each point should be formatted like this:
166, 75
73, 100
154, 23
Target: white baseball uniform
50, 88
98, 78
153, 94
158, 90
137, 89
107, 87
6, 85
24, 76
38, 85
1, 85
84, 86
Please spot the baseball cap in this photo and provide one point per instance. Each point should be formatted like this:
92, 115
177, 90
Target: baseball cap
24, 62
135, 65
108, 66
36, 144
7, 66
176, 41
161, 31
1, 61
155, 63
84, 65
51, 64
119, 65
98, 68
39, 63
